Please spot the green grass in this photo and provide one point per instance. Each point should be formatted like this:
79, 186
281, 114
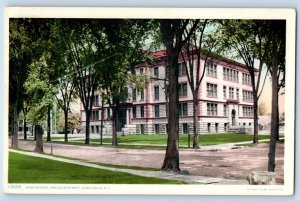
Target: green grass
159, 141
28, 169
206, 139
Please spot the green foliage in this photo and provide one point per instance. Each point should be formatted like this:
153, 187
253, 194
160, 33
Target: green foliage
73, 121
20, 55
40, 90
124, 40
28, 169
138, 81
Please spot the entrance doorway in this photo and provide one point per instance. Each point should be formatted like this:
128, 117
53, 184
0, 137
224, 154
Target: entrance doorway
121, 119
233, 120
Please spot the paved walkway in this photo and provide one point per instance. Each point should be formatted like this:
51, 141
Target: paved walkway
158, 174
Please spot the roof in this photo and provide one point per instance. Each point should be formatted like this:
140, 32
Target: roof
163, 53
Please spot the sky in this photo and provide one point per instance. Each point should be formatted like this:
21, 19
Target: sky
267, 94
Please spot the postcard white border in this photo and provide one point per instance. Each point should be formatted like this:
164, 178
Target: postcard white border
176, 13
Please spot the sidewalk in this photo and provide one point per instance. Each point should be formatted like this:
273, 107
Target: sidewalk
158, 174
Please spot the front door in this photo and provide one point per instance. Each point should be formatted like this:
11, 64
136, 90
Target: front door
121, 119
233, 121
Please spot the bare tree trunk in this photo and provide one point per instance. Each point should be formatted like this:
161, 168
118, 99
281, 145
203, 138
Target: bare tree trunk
102, 119
195, 119
39, 139
49, 125
274, 126
87, 127
255, 107
114, 127
171, 161
25, 128
15, 128
66, 125
34, 133
32, 130
277, 123
255, 116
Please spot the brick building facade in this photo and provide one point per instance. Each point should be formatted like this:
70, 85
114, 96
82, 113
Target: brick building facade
225, 101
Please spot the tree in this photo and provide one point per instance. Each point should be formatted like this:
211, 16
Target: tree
172, 34
81, 56
41, 92
19, 59
200, 45
60, 61
26, 44
245, 37
275, 61
73, 122
123, 42
262, 110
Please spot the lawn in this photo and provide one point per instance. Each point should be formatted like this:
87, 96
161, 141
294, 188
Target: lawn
159, 141
28, 169
206, 139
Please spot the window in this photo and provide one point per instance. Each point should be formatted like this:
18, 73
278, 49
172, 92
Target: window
182, 69
212, 109
185, 128
183, 109
96, 100
141, 70
217, 127
211, 90
237, 94
247, 111
208, 127
134, 111
231, 75
156, 110
231, 93
247, 95
134, 94
156, 93
211, 69
142, 94
227, 74
142, 111
108, 113
94, 115
246, 79
225, 127
142, 129
156, 128
167, 71
225, 111
183, 90
224, 92
156, 72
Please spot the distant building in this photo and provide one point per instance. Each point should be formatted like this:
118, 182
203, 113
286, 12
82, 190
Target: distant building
225, 100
